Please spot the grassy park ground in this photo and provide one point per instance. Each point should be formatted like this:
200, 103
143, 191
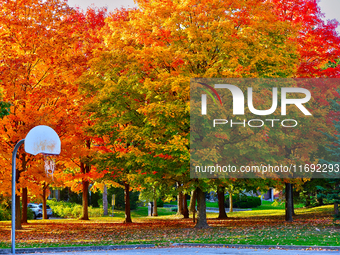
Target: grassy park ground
265, 225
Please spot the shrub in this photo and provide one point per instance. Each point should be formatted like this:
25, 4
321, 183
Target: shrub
30, 214
5, 213
76, 211
72, 210
65, 209
244, 201
96, 212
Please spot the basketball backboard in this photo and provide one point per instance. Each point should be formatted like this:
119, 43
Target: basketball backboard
42, 139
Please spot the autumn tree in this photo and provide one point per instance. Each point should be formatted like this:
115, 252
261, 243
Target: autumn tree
78, 143
330, 188
317, 46
141, 80
40, 62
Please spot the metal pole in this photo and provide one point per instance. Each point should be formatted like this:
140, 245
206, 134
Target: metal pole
14, 155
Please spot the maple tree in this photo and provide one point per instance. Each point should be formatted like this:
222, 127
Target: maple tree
142, 77
330, 187
40, 62
135, 70
78, 143
317, 47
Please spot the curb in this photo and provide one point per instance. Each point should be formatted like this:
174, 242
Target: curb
254, 246
135, 246
76, 248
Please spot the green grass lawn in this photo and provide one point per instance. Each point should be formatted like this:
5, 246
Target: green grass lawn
310, 227
266, 205
208, 204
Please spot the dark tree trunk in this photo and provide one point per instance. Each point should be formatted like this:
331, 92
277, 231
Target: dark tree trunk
85, 214
289, 203
24, 205
45, 186
192, 203
17, 204
85, 168
292, 194
201, 210
105, 203
18, 218
221, 207
127, 203
180, 203
18, 225
155, 213
185, 207
336, 205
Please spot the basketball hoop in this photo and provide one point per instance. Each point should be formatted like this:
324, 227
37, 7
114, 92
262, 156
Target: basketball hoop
40, 139
44, 140
49, 164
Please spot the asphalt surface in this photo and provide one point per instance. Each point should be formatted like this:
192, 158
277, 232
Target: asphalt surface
194, 251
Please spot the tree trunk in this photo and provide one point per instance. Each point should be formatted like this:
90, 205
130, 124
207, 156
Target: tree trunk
17, 204
201, 210
192, 204
289, 203
155, 213
105, 204
84, 168
336, 205
180, 203
221, 207
18, 225
185, 207
231, 202
44, 212
24, 205
17, 198
292, 194
127, 203
85, 201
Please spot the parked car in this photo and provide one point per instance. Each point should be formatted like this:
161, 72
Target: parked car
37, 211
48, 210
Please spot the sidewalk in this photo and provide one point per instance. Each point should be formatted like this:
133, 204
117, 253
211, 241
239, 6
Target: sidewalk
179, 248
194, 251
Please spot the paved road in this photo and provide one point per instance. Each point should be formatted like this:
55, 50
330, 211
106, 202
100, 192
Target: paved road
197, 250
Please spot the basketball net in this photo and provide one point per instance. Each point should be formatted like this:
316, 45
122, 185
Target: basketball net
49, 165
